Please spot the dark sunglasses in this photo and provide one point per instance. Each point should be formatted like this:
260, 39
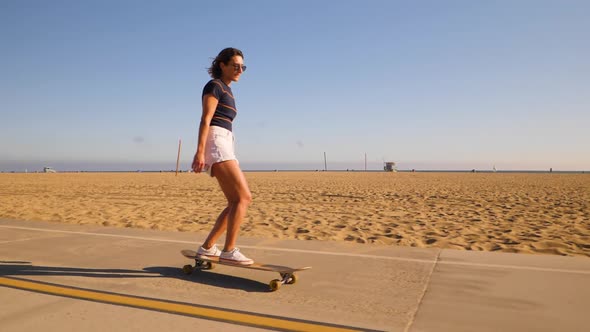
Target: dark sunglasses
237, 67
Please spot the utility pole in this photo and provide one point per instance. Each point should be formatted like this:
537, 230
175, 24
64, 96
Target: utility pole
178, 156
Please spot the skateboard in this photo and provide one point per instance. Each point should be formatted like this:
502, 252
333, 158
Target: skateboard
287, 274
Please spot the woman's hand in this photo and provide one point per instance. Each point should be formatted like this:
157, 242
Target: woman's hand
198, 162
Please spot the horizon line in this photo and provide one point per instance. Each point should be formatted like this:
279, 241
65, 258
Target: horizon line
320, 170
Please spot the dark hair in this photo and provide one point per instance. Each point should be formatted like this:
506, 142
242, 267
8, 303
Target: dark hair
224, 56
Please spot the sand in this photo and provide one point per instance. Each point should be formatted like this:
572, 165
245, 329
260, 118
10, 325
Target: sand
508, 212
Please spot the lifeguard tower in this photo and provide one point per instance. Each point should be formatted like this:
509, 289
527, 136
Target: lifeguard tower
49, 170
389, 166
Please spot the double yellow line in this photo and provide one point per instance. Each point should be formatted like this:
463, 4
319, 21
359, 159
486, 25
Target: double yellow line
228, 316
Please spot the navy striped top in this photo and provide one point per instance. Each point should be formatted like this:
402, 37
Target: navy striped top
226, 107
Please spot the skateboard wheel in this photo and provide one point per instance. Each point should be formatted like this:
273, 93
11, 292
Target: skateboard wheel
204, 265
187, 269
275, 285
293, 279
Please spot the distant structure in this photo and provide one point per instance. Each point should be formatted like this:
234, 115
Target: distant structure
49, 170
389, 166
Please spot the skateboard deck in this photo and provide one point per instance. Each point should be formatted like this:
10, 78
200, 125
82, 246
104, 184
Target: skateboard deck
287, 274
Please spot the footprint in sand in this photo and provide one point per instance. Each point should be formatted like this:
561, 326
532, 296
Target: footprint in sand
431, 241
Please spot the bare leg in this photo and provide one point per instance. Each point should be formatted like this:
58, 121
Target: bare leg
218, 229
235, 188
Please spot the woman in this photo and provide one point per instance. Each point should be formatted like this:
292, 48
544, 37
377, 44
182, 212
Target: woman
215, 154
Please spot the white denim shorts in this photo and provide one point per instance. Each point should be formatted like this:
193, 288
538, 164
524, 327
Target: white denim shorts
220, 146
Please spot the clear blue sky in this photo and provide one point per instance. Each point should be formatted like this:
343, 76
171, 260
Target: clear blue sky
429, 84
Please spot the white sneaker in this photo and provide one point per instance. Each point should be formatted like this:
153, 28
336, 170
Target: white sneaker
235, 257
209, 253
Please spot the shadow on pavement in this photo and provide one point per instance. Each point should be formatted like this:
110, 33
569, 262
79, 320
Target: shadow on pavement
211, 279
20, 269
28, 269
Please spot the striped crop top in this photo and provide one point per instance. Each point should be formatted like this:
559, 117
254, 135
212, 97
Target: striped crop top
226, 107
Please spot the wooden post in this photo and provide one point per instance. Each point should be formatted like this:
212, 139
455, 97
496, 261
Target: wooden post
325, 162
178, 156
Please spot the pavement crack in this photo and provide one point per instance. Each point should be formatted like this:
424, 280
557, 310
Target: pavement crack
426, 284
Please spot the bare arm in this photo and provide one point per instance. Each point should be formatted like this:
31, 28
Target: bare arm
209, 106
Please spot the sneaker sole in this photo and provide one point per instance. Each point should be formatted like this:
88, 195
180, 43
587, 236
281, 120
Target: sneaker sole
207, 256
233, 262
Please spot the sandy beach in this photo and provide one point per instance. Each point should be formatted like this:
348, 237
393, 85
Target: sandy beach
509, 212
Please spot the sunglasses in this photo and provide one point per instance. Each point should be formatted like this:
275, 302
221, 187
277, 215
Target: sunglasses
238, 66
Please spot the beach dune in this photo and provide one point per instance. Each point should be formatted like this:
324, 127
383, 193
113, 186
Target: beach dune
509, 212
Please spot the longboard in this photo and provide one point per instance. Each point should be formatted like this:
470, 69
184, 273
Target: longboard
287, 274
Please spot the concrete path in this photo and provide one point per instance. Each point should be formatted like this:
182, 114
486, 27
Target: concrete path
57, 276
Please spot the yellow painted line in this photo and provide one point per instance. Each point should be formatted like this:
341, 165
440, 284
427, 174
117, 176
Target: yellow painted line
228, 316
